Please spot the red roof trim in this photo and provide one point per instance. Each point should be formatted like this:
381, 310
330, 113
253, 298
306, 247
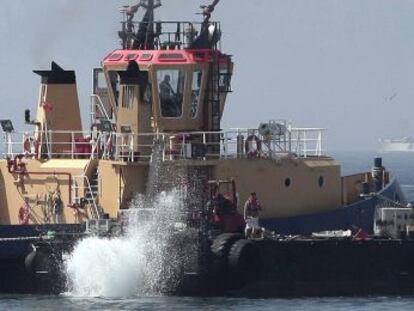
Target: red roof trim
121, 57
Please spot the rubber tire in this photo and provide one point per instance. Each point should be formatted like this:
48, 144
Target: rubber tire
43, 259
244, 262
220, 249
40, 260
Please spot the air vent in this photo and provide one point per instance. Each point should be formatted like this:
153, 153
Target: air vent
115, 57
172, 57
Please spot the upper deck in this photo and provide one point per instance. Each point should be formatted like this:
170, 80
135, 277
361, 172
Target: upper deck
170, 35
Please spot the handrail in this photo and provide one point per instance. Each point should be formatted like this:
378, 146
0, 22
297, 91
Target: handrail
96, 101
88, 187
129, 147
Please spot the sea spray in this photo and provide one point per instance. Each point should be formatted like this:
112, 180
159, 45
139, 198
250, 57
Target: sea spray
144, 261
157, 246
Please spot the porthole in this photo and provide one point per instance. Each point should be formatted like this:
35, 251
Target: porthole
321, 181
288, 182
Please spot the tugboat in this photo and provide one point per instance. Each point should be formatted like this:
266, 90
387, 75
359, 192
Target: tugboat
161, 97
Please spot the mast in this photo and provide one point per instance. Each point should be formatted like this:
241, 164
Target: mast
144, 37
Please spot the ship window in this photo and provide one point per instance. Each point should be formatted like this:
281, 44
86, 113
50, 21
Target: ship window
321, 181
128, 96
288, 182
147, 94
196, 92
115, 85
100, 80
171, 92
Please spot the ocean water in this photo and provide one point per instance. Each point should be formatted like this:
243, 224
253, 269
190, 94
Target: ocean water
402, 166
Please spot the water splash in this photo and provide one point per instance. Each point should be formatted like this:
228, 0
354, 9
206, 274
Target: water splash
156, 250
145, 261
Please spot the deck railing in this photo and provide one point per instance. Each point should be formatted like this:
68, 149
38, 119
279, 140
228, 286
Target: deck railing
225, 144
171, 35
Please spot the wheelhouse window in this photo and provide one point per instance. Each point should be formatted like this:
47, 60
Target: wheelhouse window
171, 92
115, 85
129, 93
196, 92
147, 94
99, 82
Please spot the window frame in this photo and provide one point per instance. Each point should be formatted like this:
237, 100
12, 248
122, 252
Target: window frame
129, 91
202, 83
184, 94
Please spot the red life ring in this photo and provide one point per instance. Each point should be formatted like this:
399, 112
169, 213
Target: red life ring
250, 151
24, 214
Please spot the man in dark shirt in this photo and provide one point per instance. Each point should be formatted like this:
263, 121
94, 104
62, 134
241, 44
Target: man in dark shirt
168, 98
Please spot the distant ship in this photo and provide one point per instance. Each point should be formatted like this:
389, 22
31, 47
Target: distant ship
400, 144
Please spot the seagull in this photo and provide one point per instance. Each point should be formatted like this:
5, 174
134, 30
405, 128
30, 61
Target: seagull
391, 97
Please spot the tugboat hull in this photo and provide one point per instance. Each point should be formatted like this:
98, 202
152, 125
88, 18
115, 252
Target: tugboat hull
359, 214
30, 261
317, 267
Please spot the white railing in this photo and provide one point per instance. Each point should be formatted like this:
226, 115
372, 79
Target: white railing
81, 187
225, 144
98, 106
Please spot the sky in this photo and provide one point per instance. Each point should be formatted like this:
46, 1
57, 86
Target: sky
344, 65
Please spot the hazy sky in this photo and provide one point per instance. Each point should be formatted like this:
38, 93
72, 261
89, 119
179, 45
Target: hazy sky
347, 65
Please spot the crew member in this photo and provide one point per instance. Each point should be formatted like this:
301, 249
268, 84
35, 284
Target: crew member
166, 91
168, 98
252, 208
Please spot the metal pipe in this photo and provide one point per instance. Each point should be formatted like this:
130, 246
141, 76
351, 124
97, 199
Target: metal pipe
25, 172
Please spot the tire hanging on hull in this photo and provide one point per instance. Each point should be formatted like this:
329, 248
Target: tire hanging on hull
243, 263
43, 267
219, 252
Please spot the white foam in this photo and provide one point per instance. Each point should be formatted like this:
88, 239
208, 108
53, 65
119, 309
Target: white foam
131, 265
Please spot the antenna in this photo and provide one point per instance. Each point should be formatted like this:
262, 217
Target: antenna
208, 10
144, 36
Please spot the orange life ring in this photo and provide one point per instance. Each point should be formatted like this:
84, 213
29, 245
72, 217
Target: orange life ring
24, 214
250, 151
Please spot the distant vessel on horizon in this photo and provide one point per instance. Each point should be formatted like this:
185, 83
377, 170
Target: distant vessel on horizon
399, 144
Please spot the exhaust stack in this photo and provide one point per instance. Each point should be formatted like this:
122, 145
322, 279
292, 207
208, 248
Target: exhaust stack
57, 109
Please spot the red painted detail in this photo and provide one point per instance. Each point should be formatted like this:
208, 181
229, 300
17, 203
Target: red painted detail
230, 223
162, 57
83, 146
361, 235
47, 107
18, 167
24, 214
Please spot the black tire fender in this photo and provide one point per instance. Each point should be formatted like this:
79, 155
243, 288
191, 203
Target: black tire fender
244, 262
220, 249
39, 260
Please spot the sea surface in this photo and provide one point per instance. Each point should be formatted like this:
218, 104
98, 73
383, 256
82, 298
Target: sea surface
402, 166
